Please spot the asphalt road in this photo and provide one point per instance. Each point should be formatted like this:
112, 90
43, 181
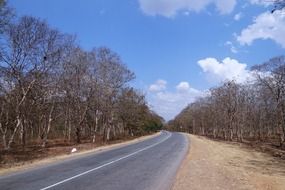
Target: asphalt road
150, 164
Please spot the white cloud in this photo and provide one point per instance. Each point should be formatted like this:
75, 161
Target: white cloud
261, 2
231, 46
225, 6
238, 16
183, 86
265, 26
186, 13
169, 103
169, 8
159, 85
228, 69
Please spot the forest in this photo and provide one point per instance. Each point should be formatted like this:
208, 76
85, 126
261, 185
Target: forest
52, 89
251, 111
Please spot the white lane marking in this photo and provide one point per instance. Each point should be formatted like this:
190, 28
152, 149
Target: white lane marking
109, 163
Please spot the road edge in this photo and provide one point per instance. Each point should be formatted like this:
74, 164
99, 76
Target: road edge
181, 161
59, 158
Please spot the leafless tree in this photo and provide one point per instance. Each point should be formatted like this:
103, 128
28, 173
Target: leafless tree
51, 88
251, 112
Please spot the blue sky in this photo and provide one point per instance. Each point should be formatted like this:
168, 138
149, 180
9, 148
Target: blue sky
177, 48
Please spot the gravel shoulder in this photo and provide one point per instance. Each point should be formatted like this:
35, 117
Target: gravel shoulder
82, 151
213, 165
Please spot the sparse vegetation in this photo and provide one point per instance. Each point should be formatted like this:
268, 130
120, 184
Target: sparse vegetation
251, 112
51, 90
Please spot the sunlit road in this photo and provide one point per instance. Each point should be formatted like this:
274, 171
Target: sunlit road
150, 164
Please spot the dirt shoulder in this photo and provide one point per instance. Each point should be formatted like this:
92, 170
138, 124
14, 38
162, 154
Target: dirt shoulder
61, 153
213, 165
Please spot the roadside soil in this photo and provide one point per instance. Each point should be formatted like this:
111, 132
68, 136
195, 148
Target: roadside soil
19, 160
215, 165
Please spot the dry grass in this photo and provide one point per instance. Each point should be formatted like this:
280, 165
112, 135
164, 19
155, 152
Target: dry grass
18, 161
220, 165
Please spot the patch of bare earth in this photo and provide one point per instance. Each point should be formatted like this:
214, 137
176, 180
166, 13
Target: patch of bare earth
18, 160
213, 165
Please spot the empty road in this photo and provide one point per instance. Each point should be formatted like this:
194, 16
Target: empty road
150, 164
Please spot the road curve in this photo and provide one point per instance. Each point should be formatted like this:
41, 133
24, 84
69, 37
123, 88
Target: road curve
147, 165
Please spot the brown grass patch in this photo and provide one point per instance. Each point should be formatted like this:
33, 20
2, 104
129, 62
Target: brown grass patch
221, 165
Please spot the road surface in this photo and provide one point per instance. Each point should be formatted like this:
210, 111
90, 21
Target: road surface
150, 164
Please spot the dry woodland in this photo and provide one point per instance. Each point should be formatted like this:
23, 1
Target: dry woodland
252, 112
54, 93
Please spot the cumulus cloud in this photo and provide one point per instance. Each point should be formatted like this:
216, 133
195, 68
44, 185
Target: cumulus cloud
183, 86
169, 8
169, 103
159, 85
238, 16
265, 26
228, 69
225, 6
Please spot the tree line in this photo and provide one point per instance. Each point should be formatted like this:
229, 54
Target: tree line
252, 111
50, 88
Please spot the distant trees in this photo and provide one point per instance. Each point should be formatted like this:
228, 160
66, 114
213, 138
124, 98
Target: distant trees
50, 88
6, 15
232, 111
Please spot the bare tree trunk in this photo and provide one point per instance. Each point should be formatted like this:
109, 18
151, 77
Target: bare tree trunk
96, 127
79, 126
114, 131
48, 126
68, 125
108, 133
23, 134
4, 141
194, 126
231, 133
282, 130
280, 133
4, 132
69, 130
19, 123
215, 133
78, 134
